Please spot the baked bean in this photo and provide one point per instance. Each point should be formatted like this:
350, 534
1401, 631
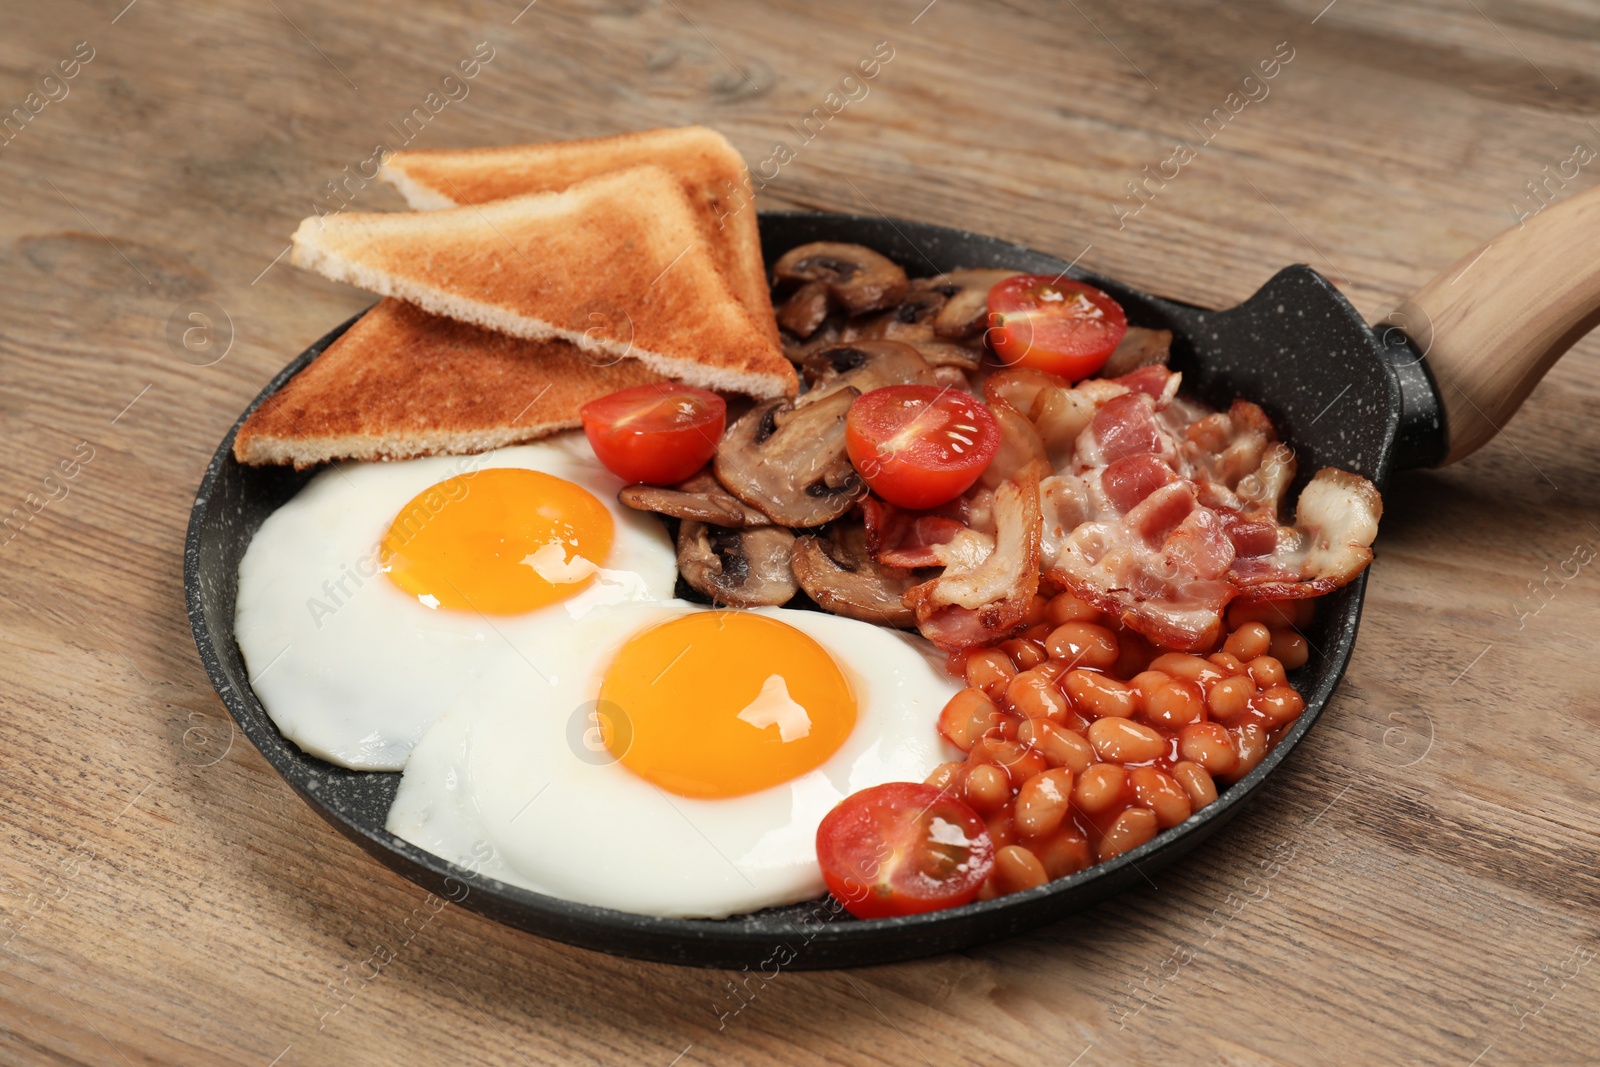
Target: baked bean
1012, 756
1064, 852
1267, 672
1002, 830
1183, 665
1036, 696
1178, 703
1196, 782
1065, 607
1060, 746
1230, 697
1145, 683
1248, 641
1037, 632
1226, 662
1210, 745
988, 789
949, 776
1124, 741
1016, 869
1036, 609
1130, 830
1032, 762
1083, 644
1162, 795
1099, 695
987, 891
1290, 649
966, 716
1042, 802
991, 671
1281, 704
1024, 653
1052, 669
1251, 742
1099, 787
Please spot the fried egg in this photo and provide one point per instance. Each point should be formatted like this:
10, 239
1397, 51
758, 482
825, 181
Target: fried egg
381, 591
673, 760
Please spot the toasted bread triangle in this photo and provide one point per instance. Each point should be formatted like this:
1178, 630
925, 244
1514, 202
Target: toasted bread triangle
711, 170
401, 383
617, 263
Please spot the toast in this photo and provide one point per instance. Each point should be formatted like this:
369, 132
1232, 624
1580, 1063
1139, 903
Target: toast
617, 263
401, 383
711, 170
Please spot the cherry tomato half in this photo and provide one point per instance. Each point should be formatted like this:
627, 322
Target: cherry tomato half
659, 433
1054, 324
903, 848
920, 446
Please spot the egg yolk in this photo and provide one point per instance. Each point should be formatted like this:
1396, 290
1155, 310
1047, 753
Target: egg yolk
724, 703
499, 541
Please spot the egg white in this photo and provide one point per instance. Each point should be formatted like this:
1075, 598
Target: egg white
354, 670
504, 785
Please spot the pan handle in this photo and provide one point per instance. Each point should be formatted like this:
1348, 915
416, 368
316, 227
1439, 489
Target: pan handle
1493, 323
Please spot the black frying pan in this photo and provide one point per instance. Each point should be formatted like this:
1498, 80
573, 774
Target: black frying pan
1340, 393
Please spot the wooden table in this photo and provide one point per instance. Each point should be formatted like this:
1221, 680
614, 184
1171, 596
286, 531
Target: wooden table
1419, 884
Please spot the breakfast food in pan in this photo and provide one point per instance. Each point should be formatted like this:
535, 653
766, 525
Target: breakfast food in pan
1059, 598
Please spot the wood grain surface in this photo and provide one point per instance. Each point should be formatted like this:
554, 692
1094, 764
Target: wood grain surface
1420, 884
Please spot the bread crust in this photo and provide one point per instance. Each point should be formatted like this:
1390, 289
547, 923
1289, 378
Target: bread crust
402, 383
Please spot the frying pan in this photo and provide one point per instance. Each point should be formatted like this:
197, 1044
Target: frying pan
1426, 389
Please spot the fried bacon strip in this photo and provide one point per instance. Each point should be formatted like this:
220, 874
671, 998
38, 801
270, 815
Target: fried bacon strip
981, 600
1336, 521
1167, 510
897, 537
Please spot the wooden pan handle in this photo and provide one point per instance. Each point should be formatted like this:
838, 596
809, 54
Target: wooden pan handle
1491, 325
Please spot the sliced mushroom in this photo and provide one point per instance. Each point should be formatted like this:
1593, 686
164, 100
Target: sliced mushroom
805, 309
1139, 347
909, 320
858, 278
744, 568
912, 323
797, 349
838, 572
863, 366
700, 499
948, 377
965, 311
948, 354
789, 462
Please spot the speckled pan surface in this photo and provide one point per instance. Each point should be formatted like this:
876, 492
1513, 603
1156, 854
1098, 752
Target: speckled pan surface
1296, 347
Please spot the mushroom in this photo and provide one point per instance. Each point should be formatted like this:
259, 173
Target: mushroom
858, 278
743, 568
965, 311
797, 349
839, 573
912, 322
863, 366
789, 461
1139, 347
911, 319
805, 309
699, 499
